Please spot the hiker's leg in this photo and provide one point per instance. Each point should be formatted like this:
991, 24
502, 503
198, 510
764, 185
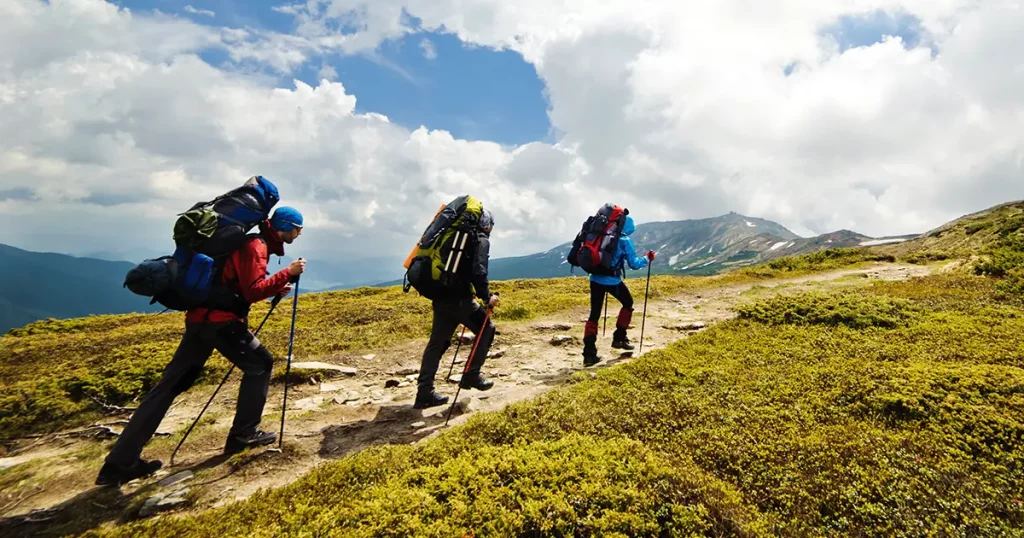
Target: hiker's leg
472, 315
244, 350
178, 376
597, 292
441, 331
622, 294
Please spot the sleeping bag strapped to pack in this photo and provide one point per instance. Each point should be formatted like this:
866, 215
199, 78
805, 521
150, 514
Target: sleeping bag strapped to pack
433, 264
205, 236
594, 248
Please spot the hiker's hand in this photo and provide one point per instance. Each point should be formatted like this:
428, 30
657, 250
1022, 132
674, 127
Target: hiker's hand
297, 267
284, 292
493, 302
650, 255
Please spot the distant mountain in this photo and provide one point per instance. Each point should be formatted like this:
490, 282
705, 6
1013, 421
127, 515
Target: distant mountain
695, 247
40, 285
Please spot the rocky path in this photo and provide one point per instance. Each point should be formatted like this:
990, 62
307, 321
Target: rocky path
341, 404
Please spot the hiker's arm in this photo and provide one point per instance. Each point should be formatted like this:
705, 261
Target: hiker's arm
252, 274
635, 262
480, 258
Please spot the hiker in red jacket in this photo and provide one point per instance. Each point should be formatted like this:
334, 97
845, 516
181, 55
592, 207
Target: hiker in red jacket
227, 331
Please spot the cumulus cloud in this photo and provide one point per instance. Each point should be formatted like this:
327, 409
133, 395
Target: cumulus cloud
676, 110
203, 12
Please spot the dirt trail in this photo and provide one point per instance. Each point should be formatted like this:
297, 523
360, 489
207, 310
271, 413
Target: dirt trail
332, 415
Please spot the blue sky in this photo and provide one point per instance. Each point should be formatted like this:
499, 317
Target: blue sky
474, 93
869, 28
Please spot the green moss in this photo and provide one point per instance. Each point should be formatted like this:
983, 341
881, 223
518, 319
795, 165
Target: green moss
849, 309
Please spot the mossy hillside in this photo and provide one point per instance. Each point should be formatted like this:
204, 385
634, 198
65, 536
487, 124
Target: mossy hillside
754, 427
962, 238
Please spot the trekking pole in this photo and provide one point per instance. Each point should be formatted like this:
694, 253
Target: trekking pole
273, 304
644, 322
472, 354
457, 344
288, 368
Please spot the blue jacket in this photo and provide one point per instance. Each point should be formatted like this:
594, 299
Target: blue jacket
626, 253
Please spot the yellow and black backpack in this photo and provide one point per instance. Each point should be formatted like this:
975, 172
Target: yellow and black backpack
432, 266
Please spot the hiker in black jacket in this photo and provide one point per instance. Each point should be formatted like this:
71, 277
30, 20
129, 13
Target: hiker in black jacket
459, 306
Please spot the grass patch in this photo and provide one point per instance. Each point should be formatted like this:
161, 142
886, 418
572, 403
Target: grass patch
848, 309
823, 260
751, 428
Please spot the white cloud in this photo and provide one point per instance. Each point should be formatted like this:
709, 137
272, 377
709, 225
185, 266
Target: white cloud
429, 50
203, 12
675, 110
327, 72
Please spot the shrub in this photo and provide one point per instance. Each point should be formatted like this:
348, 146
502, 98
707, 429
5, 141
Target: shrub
851, 310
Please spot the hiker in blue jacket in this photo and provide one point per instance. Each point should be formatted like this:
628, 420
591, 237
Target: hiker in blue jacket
613, 284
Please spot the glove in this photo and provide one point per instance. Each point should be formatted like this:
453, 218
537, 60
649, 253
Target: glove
650, 255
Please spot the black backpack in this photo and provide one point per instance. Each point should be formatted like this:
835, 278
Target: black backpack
594, 247
205, 236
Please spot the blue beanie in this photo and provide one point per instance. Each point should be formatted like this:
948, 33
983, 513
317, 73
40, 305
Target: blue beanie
286, 219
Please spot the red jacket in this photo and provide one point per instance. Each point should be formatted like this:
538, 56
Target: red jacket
247, 268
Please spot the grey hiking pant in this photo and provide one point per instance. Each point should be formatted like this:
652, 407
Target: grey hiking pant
234, 341
448, 314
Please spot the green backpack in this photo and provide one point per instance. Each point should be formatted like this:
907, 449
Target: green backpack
434, 262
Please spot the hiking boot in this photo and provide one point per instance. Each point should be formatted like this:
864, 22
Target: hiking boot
237, 443
476, 381
114, 475
623, 343
590, 356
431, 399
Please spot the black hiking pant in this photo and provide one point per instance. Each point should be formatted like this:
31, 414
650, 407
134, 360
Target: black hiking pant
448, 314
236, 343
597, 293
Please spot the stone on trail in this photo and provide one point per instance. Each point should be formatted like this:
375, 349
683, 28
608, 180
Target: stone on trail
497, 354
467, 338
347, 370
309, 404
368, 357
553, 327
419, 424
405, 371
342, 400
560, 340
391, 383
166, 501
174, 479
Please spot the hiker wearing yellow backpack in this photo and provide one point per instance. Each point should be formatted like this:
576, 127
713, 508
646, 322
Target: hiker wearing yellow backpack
603, 248
449, 266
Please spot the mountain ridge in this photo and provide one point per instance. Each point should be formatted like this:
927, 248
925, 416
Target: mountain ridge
40, 285
703, 246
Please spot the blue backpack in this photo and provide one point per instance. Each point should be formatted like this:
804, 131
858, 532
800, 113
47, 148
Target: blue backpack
204, 237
